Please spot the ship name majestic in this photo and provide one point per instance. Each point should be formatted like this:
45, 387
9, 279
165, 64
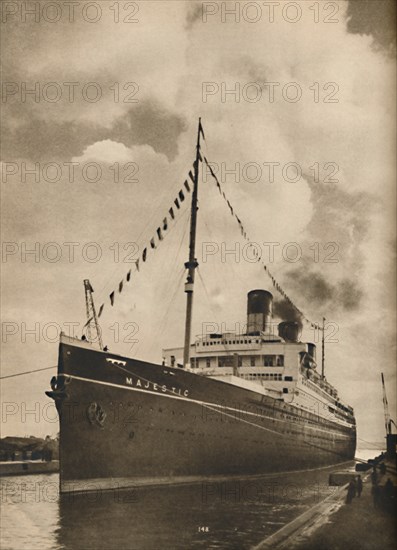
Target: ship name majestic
153, 386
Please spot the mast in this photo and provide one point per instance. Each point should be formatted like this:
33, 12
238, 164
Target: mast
192, 263
386, 407
92, 318
323, 351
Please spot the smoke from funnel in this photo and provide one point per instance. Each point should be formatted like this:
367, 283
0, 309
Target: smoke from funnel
316, 289
286, 312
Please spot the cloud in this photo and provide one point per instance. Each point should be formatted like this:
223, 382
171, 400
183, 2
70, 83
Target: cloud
106, 151
170, 53
41, 139
376, 19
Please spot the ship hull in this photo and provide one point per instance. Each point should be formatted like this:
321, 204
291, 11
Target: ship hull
125, 422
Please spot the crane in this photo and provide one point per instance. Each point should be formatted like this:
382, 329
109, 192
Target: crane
93, 328
388, 421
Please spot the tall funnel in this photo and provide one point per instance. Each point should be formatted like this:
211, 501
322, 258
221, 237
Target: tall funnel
259, 311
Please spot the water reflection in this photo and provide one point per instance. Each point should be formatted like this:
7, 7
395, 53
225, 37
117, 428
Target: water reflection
29, 512
233, 514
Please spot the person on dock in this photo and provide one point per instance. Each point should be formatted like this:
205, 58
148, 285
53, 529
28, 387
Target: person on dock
374, 476
382, 468
359, 485
389, 492
351, 491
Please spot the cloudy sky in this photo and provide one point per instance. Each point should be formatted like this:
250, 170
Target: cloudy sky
111, 127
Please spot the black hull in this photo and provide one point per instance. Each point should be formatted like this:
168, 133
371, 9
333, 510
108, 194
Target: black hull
132, 422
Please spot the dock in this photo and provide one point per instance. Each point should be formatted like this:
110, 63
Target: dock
28, 467
367, 523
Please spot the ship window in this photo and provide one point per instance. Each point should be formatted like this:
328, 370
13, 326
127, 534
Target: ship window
226, 361
253, 361
268, 360
193, 362
208, 363
285, 390
288, 378
280, 360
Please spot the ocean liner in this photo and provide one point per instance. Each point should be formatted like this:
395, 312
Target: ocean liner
225, 405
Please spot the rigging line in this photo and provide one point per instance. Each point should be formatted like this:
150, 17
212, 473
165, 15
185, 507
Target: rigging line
27, 372
225, 346
183, 232
156, 213
226, 349
259, 258
138, 242
236, 272
369, 443
162, 323
148, 223
181, 273
170, 229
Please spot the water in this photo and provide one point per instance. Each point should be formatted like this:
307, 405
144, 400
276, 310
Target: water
236, 514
